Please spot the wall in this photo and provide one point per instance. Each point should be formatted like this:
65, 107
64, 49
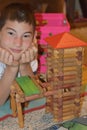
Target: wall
3, 3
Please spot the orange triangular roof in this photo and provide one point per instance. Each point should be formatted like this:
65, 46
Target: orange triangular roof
64, 40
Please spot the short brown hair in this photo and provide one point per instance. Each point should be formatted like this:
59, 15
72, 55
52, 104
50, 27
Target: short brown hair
17, 11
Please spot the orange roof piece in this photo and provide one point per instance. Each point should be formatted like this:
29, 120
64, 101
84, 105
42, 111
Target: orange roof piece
64, 40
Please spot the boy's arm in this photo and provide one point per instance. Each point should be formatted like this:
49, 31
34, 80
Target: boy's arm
9, 74
6, 81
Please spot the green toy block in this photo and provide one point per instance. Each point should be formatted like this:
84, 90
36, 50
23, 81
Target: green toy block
27, 85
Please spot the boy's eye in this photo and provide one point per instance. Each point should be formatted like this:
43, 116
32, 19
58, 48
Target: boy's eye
28, 35
10, 33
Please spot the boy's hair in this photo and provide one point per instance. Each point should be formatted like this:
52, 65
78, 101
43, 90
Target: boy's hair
17, 11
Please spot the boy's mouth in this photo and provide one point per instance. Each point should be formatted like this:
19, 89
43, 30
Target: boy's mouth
16, 50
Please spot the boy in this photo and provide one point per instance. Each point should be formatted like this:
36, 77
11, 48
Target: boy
17, 45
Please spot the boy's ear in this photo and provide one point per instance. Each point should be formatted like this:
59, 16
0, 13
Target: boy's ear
35, 35
34, 43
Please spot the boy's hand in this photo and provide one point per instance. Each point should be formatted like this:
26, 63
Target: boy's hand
7, 58
29, 55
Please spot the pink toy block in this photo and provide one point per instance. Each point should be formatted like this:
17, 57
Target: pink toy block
42, 69
49, 24
43, 59
42, 63
51, 19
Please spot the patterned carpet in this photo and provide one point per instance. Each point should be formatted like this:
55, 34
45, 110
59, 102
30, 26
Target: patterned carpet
36, 120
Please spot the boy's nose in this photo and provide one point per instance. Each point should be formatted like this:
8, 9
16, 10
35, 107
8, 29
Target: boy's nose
18, 41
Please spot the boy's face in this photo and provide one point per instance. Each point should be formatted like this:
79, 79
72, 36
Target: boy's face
16, 37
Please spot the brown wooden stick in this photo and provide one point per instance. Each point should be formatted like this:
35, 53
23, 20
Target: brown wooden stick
66, 118
13, 104
69, 105
20, 115
68, 102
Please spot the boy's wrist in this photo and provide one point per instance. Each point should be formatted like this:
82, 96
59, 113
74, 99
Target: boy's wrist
25, 69
12, 69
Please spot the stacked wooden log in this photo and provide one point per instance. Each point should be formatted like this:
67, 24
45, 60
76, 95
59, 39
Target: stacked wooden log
64, 72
